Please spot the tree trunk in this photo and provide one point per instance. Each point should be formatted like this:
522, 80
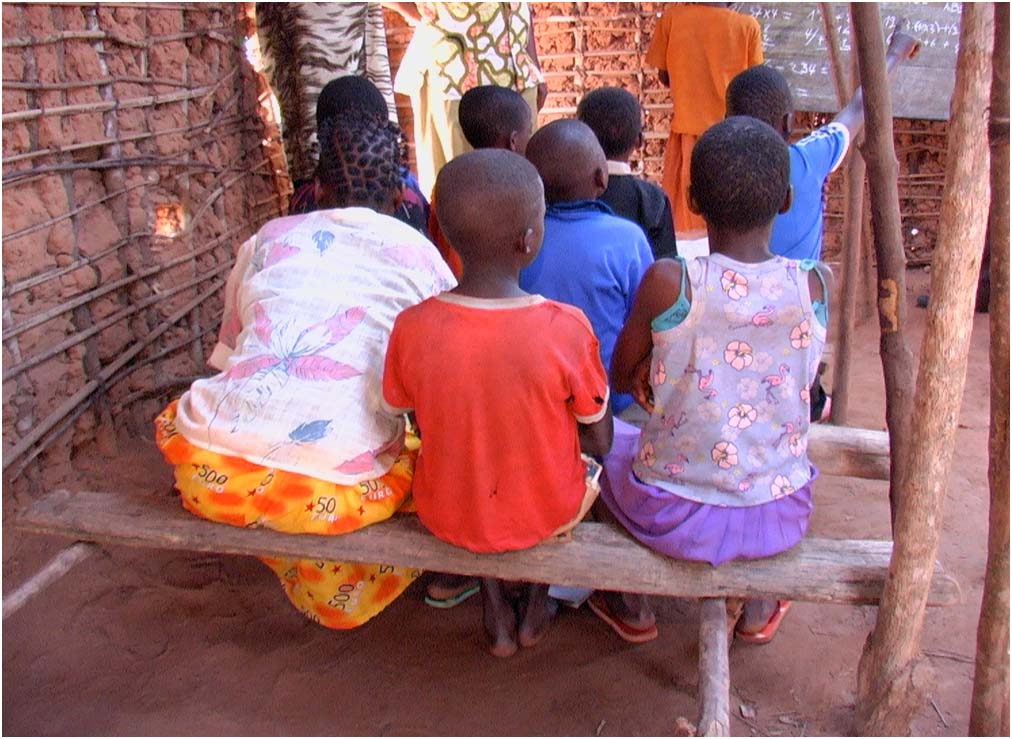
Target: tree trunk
880, 156
989, 707
892, 674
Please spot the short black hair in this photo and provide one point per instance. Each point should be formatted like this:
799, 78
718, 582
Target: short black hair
344, 93
760, 92
488, 114
615, 117
740, 173
360, 158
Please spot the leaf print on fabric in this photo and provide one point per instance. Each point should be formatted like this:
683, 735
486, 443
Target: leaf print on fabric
249, 367
738, 354
323, 240
340, 325
357, 465
310, 431
262, 324
316, 367
279, 251
734, 285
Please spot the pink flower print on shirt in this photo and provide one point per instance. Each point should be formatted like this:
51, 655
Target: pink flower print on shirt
734, 285
801, 335
774, 381
771, 288
781, 487
660, 374
805, 395
677, 467
647, 455
738, 354
741, 416
724, 454
746, 483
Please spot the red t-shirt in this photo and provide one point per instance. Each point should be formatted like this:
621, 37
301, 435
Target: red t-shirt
498, 388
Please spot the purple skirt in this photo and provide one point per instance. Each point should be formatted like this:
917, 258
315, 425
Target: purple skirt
685, 529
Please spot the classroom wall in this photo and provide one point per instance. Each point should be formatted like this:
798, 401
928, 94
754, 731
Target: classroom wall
136, 157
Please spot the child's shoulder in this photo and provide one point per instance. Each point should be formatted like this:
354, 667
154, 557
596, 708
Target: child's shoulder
573, 319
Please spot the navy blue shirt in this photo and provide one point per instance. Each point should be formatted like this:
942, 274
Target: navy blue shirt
594, 260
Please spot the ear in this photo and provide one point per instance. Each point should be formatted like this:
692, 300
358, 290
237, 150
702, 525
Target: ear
511, 145
525, 244
693, 205
600, 180
788, 200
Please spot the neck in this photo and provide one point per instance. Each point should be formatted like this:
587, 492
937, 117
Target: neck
742, 246
490, 281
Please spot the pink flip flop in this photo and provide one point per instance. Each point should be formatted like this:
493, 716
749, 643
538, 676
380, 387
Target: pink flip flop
766, 633
634, 634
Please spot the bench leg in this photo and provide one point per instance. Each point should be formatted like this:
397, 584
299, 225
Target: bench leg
714, 671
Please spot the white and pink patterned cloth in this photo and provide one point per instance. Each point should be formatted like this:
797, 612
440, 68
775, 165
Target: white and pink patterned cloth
731, 386
309, 307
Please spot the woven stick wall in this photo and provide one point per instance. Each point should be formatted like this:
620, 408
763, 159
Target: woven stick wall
136, 156
583, 46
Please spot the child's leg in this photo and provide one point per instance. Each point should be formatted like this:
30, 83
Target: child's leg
760, 620
498, 618
446, 591
537, 611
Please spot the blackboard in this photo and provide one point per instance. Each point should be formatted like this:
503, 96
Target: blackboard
795, 44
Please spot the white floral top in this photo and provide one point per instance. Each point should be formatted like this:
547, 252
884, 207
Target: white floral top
309, 307
731, 385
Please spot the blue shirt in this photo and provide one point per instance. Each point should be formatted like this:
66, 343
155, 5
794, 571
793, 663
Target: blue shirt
797, 234
594, 260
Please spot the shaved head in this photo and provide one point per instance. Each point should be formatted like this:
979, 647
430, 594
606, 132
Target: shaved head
487, 202
570, 161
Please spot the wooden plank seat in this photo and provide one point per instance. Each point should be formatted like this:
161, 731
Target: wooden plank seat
594, 555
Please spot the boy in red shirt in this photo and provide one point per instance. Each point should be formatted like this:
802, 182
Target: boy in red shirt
507, 389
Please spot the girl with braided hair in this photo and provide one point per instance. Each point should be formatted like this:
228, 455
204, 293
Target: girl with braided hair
290, 434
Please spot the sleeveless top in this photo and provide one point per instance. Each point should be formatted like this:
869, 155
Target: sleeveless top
731, 384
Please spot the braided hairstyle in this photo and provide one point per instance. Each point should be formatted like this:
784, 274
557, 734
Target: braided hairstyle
361, 157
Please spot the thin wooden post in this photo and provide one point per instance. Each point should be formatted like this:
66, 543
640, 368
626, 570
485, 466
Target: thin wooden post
714, 671
989, 707
892, 674
59, 566
880, 156
853, 210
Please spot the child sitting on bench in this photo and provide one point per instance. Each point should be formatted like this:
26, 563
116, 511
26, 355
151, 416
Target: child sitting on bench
616, 119
290, 434
506, 387
591, 258
721, 470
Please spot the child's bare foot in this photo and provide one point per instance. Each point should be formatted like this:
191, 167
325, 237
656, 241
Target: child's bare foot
498, 618
628, 614
538, 611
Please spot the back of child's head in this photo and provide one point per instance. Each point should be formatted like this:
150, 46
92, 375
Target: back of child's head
569, 159
344, 93
740, 174
360, 160
615, 117
486, 200
489, 115
760, 92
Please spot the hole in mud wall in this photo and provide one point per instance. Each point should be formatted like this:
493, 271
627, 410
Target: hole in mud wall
170, 219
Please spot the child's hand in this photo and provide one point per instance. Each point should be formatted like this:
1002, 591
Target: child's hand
902, 45
642, 391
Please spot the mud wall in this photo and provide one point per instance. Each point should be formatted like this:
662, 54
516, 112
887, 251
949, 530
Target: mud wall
136, 156
583, 46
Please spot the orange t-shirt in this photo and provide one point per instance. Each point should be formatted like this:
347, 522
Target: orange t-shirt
498, 388
702, 48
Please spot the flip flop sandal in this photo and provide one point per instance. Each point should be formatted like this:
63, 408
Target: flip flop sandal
766, 633
634, 634
453, 600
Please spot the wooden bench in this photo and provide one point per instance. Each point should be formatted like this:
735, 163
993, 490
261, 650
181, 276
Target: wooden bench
595, 555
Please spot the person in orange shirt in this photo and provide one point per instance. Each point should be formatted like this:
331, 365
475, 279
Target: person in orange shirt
697, 49
507, 389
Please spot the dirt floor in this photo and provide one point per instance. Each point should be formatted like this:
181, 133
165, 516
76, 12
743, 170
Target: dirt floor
148, 642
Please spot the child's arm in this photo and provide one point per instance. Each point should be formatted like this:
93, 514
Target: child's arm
595, 438
657, 292
815, 289
901, 48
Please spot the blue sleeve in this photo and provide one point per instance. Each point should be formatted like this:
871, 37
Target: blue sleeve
824, 149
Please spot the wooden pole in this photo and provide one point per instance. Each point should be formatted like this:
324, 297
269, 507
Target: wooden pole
57, 568
989, 707
892, 673
880, 156
852, 214
714, 671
